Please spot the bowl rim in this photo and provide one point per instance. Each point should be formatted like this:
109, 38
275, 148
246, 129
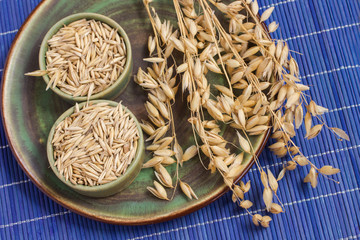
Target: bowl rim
131, 168
74, 17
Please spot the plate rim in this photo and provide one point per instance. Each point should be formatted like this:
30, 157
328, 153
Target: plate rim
111, 220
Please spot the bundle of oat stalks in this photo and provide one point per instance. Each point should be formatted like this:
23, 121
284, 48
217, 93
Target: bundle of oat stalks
263, 92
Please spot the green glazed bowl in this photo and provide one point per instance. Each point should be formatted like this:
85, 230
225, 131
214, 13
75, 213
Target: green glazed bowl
114, 89
106, 189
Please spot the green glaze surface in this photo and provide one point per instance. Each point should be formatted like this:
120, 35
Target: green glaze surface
118, 86
110, 188
29, 112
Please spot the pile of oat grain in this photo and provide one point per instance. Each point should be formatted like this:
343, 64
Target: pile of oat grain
84, 58
96, 144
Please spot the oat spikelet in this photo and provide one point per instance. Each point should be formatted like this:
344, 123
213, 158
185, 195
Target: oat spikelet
272, 181
267, 197
158, 191
246, 204
243, 143
341, 133
312, 177
276, 208
329, 170
189, 153
187, 190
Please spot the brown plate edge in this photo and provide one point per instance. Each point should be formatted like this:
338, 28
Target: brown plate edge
110, 220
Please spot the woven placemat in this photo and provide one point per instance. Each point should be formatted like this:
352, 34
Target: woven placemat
327, 34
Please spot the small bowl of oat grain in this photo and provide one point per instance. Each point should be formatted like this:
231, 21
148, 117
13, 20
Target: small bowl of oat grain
96, 148
85, 56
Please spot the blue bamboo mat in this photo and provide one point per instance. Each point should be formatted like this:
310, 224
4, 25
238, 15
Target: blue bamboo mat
327, 34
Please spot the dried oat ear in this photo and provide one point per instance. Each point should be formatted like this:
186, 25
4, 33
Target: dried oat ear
262, 93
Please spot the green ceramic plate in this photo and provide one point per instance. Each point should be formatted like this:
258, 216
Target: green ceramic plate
29, 111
